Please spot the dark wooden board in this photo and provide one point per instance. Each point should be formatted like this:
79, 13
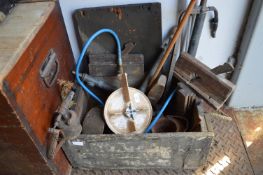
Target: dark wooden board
139, 23
106, 65
112, 58
144, 151
199, 77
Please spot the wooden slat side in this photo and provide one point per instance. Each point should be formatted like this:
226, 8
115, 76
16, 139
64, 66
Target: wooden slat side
145, 151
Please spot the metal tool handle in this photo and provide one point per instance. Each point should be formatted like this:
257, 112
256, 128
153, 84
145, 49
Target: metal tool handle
173, 41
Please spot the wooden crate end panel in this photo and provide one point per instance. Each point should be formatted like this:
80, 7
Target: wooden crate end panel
145, 151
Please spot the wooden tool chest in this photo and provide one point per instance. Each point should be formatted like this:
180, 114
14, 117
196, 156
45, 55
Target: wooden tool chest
34, 53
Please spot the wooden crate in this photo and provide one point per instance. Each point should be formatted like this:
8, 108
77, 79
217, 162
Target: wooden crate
181, 150
28, 35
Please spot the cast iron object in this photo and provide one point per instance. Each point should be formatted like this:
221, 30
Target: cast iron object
140, 23
171, 124
93, 122
66, 126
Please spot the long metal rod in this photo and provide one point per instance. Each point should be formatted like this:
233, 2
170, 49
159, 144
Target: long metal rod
197, 30
174, 39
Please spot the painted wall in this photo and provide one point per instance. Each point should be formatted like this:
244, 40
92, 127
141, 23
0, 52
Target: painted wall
211, 51
249, 83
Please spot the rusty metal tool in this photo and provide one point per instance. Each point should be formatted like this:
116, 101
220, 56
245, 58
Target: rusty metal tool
67, 126
171, 123
173, 41
93, 122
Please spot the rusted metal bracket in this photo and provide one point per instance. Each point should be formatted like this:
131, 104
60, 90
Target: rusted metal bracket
67, 126
50, 68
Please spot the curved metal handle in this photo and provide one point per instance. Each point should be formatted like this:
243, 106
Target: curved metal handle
50, 68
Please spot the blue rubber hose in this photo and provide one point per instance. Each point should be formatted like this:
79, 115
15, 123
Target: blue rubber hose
86, 45
160, 112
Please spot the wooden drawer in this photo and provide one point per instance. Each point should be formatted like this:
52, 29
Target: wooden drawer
27, 103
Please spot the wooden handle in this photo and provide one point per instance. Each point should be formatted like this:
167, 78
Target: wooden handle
174, 39
125, 88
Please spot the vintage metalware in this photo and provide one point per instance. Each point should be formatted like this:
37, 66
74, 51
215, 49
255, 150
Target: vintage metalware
93, 122
66, 126
171, 124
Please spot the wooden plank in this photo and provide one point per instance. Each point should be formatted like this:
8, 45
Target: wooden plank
112, 59
167, 150
20, 27
184, 99
199, 77
106, 64
105, 69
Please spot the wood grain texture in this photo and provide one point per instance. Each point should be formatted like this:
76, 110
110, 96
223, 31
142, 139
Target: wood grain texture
17, 32
181, 150
199, 77
30, 101
144, 151
106, 65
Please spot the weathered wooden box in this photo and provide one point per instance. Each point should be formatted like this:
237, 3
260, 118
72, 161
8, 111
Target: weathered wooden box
181, 150
34, 53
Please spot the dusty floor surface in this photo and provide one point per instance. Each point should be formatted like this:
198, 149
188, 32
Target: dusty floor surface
250, 124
